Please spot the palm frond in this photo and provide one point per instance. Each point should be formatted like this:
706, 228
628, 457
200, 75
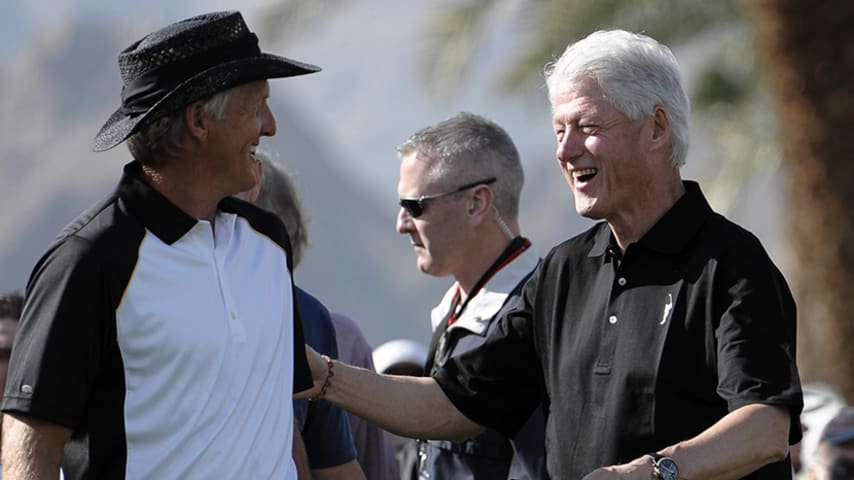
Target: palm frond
284, 19
454, 34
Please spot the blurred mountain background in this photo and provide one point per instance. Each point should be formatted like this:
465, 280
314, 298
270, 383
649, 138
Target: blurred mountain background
337, 134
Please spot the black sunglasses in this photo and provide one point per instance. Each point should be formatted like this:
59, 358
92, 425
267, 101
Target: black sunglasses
415, 206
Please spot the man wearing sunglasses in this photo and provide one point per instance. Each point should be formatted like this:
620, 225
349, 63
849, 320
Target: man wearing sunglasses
459, 189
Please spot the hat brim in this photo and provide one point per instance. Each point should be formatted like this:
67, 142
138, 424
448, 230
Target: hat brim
204, 84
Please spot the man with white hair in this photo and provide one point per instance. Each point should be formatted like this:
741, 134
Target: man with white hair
662, 339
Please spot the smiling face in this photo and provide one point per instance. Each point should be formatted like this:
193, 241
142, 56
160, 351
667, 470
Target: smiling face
601, 153
234, 138
437, 235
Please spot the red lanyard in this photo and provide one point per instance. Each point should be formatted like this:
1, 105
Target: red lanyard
516, 247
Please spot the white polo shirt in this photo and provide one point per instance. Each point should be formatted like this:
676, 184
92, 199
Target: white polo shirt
166, 349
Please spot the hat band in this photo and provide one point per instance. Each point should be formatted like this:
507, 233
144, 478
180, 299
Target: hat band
143, 92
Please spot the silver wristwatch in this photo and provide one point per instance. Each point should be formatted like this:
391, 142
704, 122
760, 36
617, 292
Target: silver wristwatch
664, 468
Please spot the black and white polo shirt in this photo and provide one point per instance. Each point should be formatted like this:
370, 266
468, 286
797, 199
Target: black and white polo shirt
166, 349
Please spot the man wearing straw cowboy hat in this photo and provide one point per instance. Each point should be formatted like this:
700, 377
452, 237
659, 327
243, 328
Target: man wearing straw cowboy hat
159, 337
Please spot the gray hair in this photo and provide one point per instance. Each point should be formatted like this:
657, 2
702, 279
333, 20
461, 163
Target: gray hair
467, 148
278, 194
635, 72
162, 139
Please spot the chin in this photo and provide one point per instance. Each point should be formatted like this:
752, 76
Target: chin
426, 267
586, 207
247, 184
591, 215
589, 212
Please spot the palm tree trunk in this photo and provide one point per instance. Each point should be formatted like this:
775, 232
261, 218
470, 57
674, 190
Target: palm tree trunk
808, 50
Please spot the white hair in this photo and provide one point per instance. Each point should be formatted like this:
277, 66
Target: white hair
635, 72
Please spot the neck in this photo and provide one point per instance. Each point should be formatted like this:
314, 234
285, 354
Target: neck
482, 255
629, 227
184, 186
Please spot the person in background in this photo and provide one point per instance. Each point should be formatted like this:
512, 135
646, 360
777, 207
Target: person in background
374, 445
147, 318
822, 402
11, 306
834, 457
323, 428
662, 339
402, 357
459, 187
373, 450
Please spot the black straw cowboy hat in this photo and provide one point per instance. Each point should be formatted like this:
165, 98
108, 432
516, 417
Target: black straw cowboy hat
185, 62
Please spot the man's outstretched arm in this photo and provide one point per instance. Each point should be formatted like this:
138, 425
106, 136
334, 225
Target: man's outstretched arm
409, 406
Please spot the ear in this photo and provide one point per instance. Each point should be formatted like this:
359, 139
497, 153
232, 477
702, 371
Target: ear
660, 132
197, 121
480, 204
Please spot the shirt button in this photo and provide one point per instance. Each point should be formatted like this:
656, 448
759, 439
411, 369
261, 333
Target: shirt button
612, 319
233, 316
622, 281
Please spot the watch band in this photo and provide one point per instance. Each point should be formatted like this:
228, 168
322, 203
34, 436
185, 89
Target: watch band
654, 456
663, 467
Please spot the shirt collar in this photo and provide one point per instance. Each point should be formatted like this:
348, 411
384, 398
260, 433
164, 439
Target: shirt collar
156, 213
673, 231
489, 300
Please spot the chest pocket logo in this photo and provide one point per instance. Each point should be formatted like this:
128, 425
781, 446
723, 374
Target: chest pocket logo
668, 309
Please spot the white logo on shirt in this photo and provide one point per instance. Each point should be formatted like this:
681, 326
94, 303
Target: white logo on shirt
668, 309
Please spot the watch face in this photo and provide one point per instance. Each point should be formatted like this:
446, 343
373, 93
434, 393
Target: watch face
667, 469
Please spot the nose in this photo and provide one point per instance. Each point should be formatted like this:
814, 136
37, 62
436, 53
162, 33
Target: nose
403, 224
268, 122
569, 146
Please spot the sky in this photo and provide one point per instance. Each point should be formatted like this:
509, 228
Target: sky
392, 101
22, 18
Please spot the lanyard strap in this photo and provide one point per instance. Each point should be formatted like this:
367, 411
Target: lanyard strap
513, 250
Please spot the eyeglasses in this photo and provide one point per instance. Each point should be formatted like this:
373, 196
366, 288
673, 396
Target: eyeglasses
415, 206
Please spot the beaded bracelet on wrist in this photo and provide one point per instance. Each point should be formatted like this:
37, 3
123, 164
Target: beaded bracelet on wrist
328, 381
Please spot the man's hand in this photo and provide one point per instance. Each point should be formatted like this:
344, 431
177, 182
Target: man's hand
319, 371
638, 469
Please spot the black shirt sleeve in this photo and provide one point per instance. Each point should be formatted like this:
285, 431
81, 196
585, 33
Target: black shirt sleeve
756, 334
498, 384
66, 333
302, 373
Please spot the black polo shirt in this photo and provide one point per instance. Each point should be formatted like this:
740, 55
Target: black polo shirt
637, 353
